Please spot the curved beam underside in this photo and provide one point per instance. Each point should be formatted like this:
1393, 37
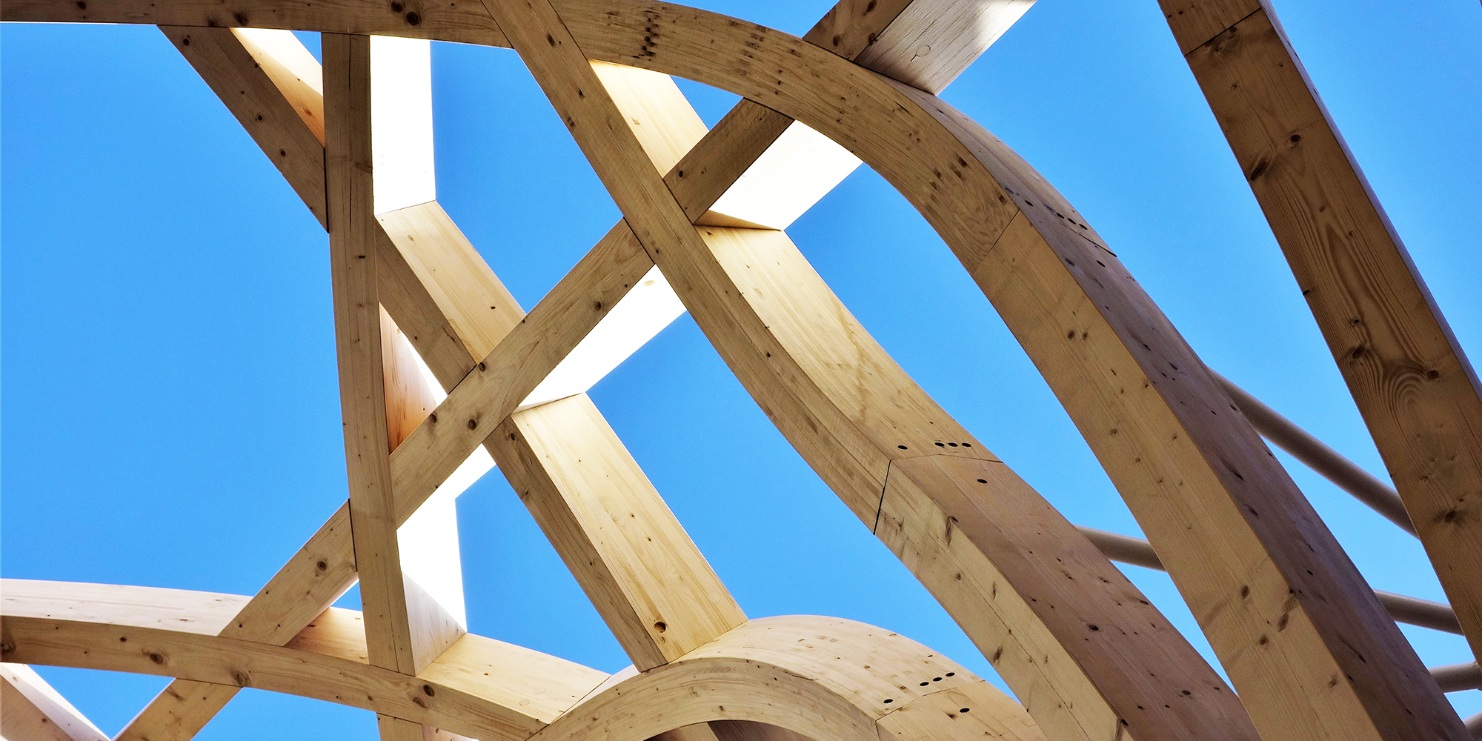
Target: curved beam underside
1272, 561
824, 678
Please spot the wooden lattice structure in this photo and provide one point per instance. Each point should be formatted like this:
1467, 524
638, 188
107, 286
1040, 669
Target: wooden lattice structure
442, 374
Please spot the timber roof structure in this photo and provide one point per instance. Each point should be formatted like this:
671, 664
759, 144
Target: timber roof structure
443, 377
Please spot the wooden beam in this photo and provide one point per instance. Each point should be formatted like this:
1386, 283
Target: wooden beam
348, 177
802, 673
407, 625
612, 529
820, 677
30, 710
1413, 385
459, 303
1329, 463
1402, 608
434, 281
785, 336
497, 386
484, 689
633, 559
272, 91
312, 580
616, 36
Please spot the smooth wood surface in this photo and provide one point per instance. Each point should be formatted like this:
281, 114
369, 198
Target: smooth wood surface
30, 710
475, 306
932, 41
495, 387
140, 607
409, 396
820, 677
1413, 385
312, 580
271, 96
614, 532
349, 179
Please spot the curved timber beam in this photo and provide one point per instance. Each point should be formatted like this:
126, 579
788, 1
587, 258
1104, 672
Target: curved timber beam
1281, 603
479, 687
820, 677
824, 678
853, 414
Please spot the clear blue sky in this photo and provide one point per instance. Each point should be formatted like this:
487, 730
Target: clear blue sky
170, 408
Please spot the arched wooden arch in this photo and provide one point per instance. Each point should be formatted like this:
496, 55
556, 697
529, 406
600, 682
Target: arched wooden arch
1306, 644
823, 678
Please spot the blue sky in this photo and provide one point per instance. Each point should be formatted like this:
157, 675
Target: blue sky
170, 408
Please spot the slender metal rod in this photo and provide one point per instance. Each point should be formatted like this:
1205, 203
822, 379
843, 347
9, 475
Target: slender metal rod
1329, 463
1405, 609
1458, 677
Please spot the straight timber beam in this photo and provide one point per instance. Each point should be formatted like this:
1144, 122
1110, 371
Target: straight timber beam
762, 267
633, 559
639, 568
30, 710
272, 85
405, 628
1413, 385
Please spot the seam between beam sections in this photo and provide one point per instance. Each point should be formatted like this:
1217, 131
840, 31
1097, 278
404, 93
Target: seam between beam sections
884, 487
1260, 8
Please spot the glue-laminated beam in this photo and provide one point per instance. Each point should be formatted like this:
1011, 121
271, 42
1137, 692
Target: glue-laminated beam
852, 413
1413, 385
275, 94
612, 529
406, 624
771, 169
30, 710
633, 559
925, 44
348, 179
